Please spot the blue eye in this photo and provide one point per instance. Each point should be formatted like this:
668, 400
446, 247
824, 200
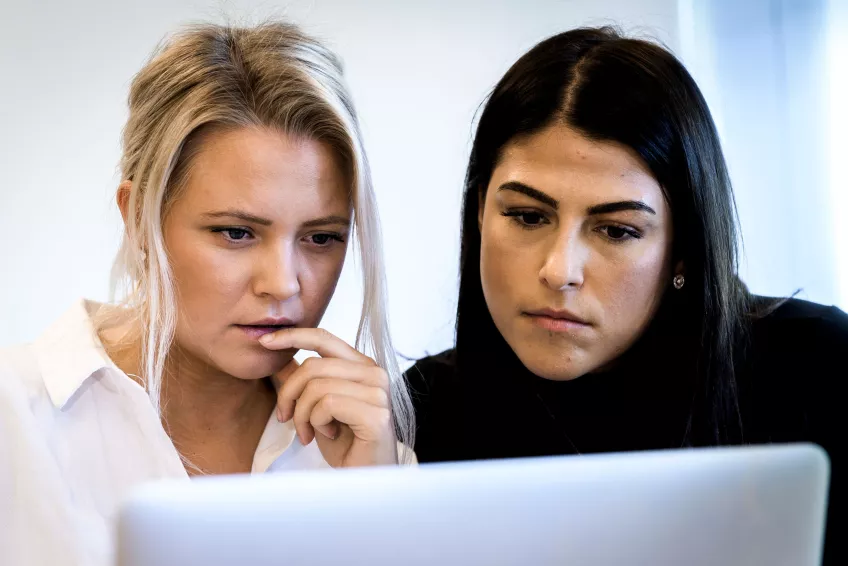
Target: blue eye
323, 239
237, 234
234, 234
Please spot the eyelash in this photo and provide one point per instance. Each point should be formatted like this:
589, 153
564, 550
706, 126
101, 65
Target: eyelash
224, 230
331, 238
228, 236
632, 233
517, 217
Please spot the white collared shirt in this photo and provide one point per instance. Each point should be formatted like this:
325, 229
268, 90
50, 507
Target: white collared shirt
76, 435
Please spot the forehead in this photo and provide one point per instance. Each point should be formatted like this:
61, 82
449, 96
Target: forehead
577, 171
268, 172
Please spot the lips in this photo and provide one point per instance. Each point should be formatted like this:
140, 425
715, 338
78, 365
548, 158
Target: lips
265, 326
556, 320
259, 331
559, 314
281, 321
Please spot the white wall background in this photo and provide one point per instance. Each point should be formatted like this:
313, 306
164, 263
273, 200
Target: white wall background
418, 71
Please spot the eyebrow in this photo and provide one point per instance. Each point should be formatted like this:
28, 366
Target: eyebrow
610, 207
341, 220
605, 208
241, 215
247, 217
517, 187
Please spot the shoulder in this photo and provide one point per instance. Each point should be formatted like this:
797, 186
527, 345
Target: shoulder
20, 375
426, 370
23, 395
794, 364
428, 379
798, 357
797, 339
428, 374
808, 327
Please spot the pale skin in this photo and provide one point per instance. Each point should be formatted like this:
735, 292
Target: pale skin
576, 251
256, 241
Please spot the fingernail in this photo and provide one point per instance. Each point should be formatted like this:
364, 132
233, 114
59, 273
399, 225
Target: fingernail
279, 415
265, 338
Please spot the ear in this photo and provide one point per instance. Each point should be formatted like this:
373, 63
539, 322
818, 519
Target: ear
123, 198
680, 269
481, 204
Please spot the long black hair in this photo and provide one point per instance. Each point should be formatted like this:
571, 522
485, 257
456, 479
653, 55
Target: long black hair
612, 88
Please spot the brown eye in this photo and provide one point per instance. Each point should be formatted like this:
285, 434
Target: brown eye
526, 218
616, 232
619, 233
532, 218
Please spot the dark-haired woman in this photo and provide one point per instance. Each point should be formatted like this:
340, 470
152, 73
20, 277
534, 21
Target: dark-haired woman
599, 305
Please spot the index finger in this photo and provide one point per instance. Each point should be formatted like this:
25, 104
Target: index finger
315, 340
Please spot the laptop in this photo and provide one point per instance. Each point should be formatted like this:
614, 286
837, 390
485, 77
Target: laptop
700, 507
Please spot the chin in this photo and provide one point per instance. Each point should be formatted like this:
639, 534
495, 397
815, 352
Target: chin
555, 373
253, 365
555, 366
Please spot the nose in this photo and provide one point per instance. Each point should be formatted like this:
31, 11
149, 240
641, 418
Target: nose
565, 262
276, 273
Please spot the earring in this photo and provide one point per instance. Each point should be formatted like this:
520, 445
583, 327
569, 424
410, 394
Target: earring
678, 281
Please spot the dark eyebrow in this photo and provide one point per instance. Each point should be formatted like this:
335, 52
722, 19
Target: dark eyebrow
610, 207
530, 192
606, 208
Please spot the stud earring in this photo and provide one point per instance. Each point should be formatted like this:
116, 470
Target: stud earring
678, 281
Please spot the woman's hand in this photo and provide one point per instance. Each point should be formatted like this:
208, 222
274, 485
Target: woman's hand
342, 399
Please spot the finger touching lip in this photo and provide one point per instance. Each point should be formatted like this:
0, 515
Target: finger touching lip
315, 340
258, 331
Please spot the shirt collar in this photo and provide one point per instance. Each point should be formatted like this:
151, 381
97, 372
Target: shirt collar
276, 439
69, 352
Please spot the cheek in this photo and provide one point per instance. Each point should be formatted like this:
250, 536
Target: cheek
508, 268
319, 276
631, 287
494, 255
208, 279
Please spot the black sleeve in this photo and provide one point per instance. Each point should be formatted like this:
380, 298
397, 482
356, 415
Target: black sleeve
825, 410
801, 350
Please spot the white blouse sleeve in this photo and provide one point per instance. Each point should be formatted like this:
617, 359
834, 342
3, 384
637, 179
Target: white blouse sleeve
34, 509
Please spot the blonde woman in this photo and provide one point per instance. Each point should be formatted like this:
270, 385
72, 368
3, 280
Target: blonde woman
244, 180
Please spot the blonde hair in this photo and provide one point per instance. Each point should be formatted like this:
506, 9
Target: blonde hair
212, 76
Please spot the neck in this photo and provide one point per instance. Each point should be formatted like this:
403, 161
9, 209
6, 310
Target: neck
215, 420
202, 400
